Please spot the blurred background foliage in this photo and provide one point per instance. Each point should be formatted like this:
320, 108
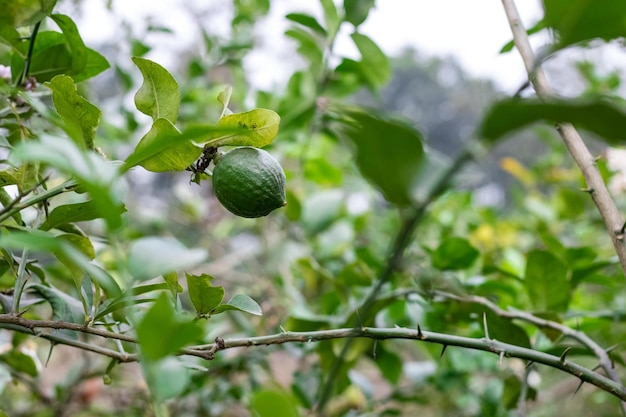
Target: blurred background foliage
309, 265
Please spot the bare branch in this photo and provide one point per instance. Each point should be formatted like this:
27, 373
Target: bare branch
574, 143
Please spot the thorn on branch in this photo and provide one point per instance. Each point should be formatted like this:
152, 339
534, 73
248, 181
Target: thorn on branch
529, 364
443, 350
564, 354
587, 190
485, 326
501, 358
578, 387
420, 335
374, 348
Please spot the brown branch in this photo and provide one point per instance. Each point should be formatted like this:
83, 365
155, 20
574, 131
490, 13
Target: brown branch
570, 136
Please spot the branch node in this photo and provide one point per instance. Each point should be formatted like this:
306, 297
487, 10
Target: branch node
443, 350
564, 354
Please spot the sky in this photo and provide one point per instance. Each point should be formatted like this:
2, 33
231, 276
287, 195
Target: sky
473, 31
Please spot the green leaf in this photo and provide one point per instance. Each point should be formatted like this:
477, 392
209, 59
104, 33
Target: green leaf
356, 11
389, 153
538, 27
177, 157
600, 117
96, 63
273, 402
158, 96
331, 17
374, 66
70, 213
582, 20
64, 307
24, 12
50, 57
77, 48
256, 128
240, 302
389, 363
307, 21
96, 176
308, 46
153, 256
224, 99
2, 413
454, 254
167, 378
162, 331
20, 362
547, 282
204, 297
505, 331
10, 36
82, 117
163, 142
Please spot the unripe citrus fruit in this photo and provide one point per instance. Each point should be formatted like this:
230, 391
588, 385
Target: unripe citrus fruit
249, 182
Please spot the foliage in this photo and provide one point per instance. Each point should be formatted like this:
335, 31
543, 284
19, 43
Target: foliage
113, 245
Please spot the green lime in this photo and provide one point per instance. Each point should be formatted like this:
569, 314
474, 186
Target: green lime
249, 182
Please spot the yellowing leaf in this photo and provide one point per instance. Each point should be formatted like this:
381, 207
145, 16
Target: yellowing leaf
256, 128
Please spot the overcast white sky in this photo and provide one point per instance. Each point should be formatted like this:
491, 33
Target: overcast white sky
471, 30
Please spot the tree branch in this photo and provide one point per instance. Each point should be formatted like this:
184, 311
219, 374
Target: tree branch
574, 143
603, 357
208, 351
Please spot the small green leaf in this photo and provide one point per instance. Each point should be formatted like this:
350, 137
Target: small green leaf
171, 280
204, 297
224, 99
167, 378
273, 402
158, 96
505, 331
454, 254
356, 11
538, 27
162, 331
177, 157
389, 153
153, 256
20, 362
10, 36
256, 128
308, 46
77, 48
307, 21
96, 63
547, 282
82, 117
70, 213
389, 363
331, 17
600, 117
240, 302
374, 66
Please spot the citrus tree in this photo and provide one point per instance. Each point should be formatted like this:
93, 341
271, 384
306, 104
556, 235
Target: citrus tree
154, 260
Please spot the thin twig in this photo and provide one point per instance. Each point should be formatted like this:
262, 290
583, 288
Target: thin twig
574, 143
29, 55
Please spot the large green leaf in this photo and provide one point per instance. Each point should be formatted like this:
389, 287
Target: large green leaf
96, 176
547, 282
204, 296
389, 153
582, 20
153, 256
308, 46
600, 117
177, 157
158, 96
24, 12
69, 213
162, 331
81, 116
